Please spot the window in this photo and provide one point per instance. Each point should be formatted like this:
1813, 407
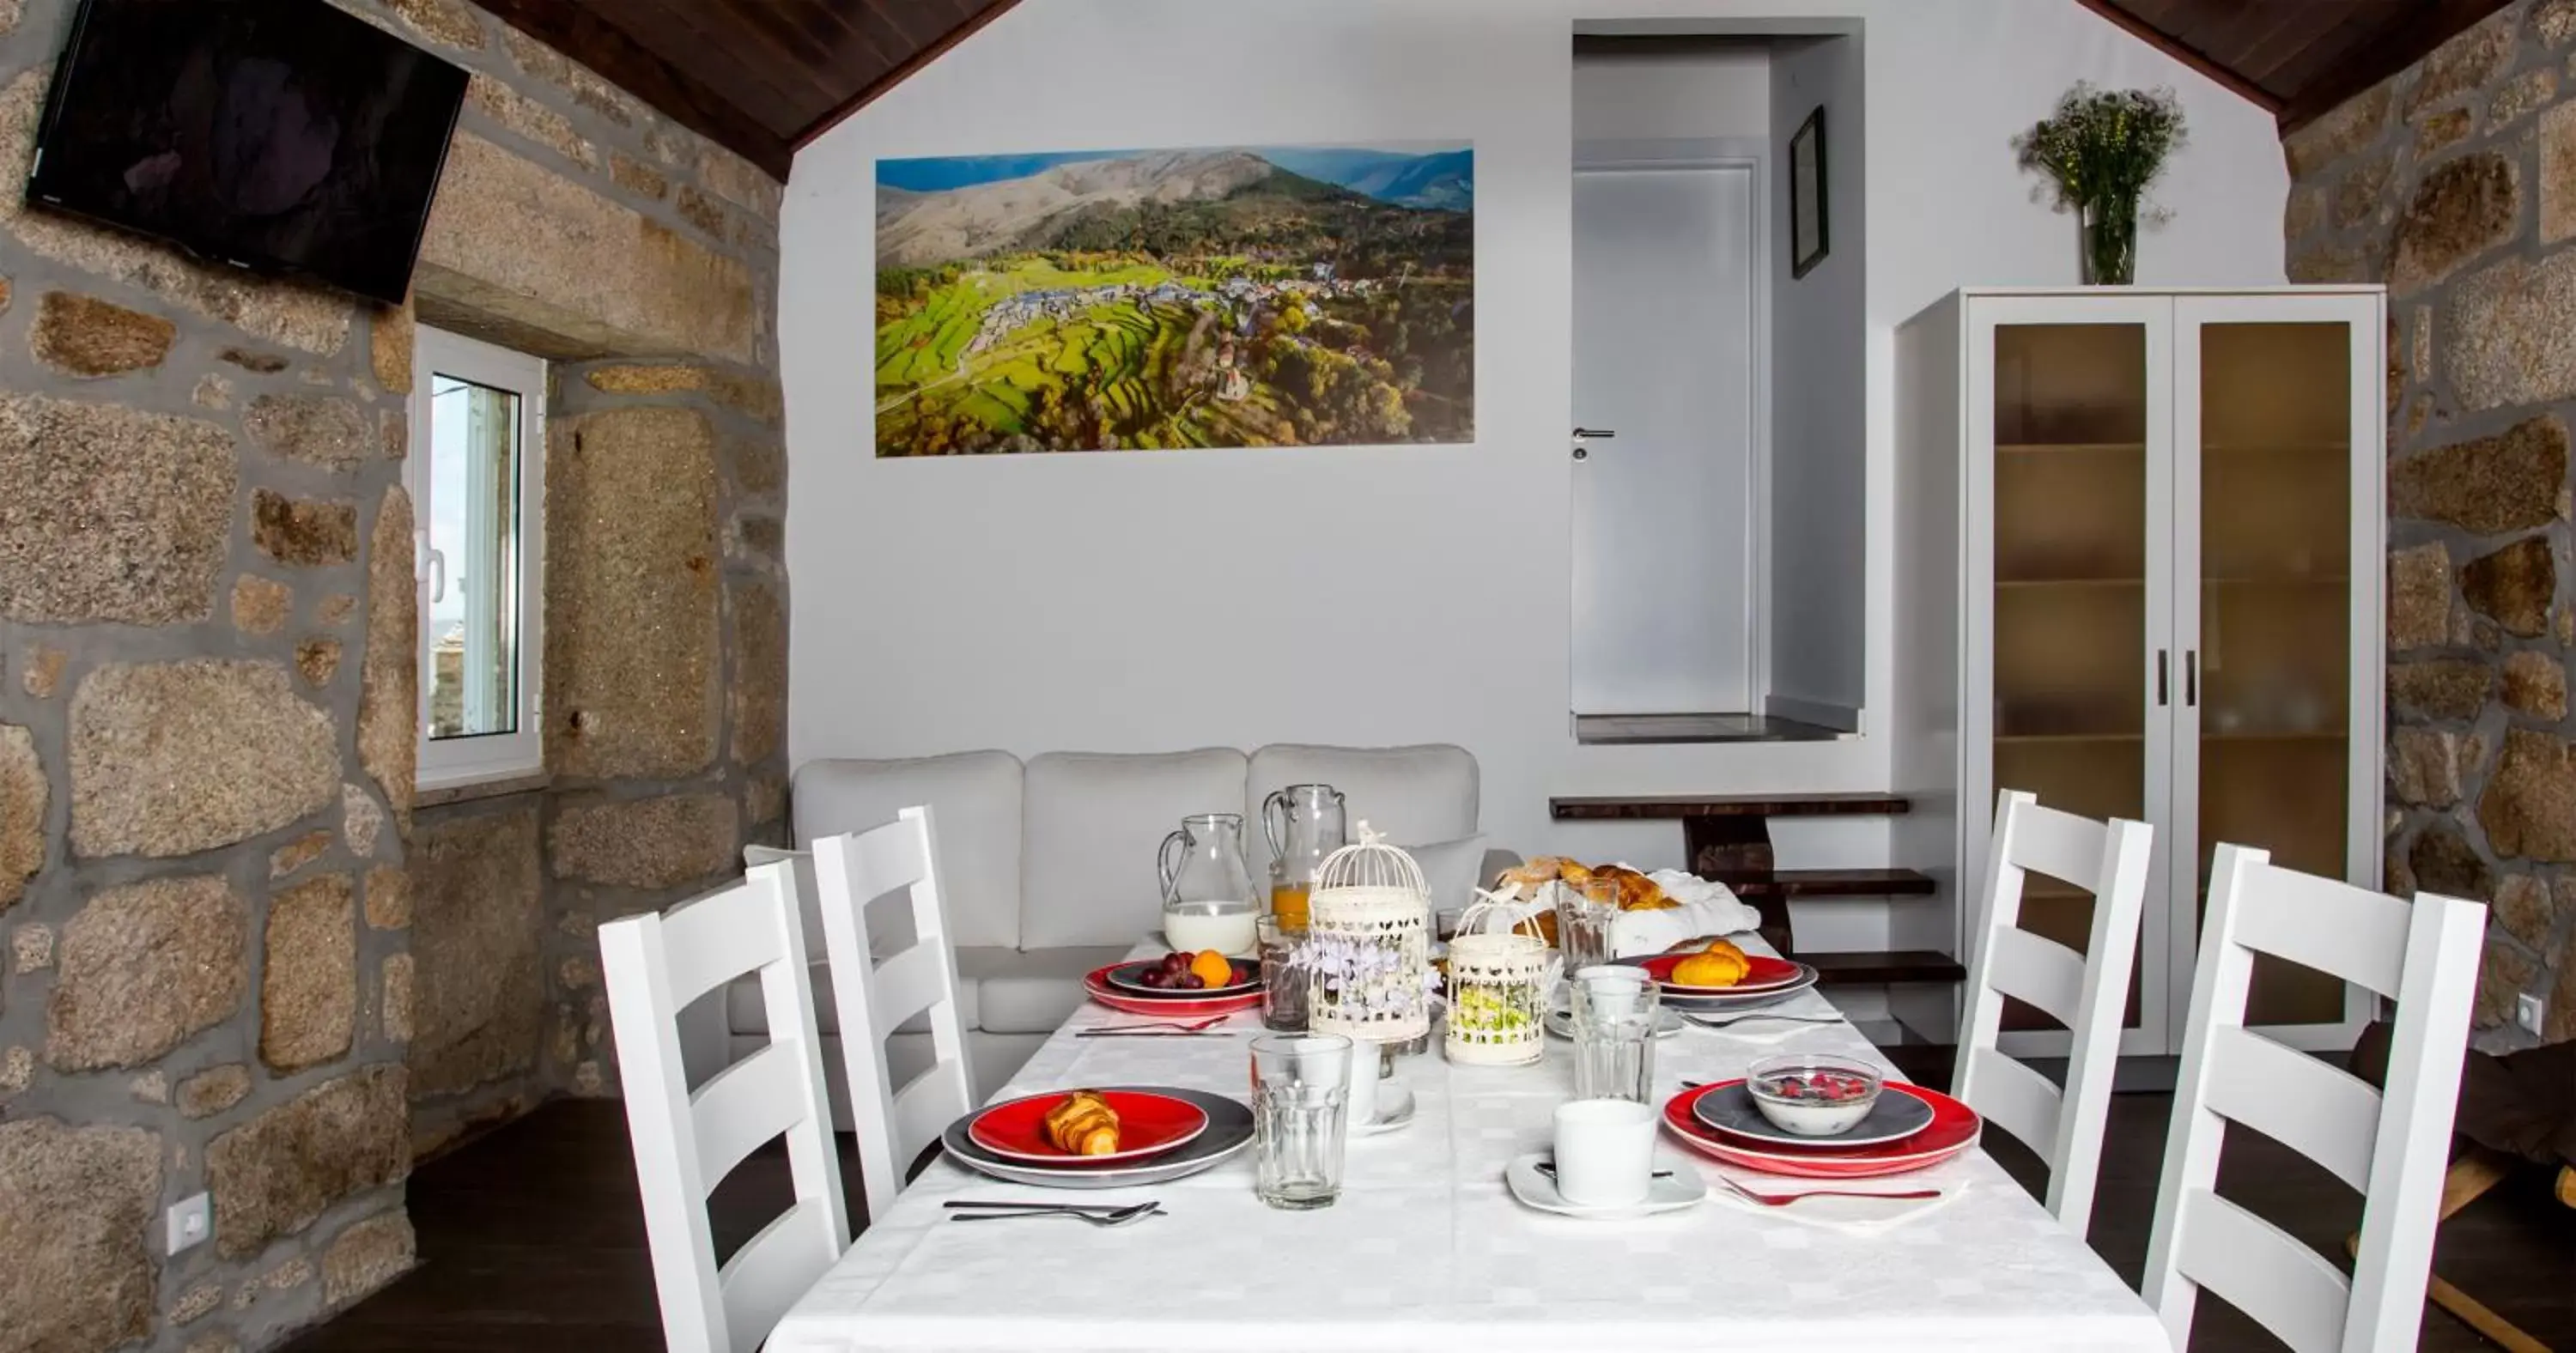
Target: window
475, 474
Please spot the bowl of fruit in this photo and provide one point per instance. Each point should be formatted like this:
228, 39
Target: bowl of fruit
1204, 973
1813, 1094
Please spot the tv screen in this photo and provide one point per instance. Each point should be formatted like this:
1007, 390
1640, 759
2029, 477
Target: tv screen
279, 135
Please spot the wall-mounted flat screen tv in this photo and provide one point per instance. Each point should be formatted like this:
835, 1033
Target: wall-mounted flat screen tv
278, 135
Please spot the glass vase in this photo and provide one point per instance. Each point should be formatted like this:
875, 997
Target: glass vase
2111, 242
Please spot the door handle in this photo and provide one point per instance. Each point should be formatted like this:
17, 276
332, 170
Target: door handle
2164, 677
2191, 677
1582, 435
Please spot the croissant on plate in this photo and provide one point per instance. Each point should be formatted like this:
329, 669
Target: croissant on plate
1083, 1125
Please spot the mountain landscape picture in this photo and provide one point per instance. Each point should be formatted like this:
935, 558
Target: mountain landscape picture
1164, 299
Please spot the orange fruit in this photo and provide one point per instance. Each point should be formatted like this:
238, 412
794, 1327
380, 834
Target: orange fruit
1213, 968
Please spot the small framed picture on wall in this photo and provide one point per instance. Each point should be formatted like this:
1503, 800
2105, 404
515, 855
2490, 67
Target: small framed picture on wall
1808, 237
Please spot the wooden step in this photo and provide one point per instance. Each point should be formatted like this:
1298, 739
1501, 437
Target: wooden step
1816, 884
1879, 969
1582, 808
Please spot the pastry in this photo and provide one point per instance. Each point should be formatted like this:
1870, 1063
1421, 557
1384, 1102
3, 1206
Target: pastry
1721, 964
1083, 1125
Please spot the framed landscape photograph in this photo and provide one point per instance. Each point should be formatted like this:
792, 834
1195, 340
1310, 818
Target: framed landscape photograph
1227, 296
1808, 239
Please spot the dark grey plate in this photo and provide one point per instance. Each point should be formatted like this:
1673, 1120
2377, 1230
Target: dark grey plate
1229, 1130
1730, 1109
1123, 979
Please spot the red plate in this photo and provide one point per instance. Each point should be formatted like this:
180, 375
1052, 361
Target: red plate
1765, 973
1954, 1129
1168, 1007
1148, 1125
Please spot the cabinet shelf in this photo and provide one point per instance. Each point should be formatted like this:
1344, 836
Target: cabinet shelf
2068, 448
2070, 582
2032, 738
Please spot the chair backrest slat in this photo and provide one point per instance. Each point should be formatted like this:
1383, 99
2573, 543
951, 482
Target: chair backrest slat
2038, 970
745, 1106
2265, 1272
2087, 992
654, 965
2330, 926
2322, 1112
895, 1123
707, 949
2393, 1145
2015, 1098
766, 1276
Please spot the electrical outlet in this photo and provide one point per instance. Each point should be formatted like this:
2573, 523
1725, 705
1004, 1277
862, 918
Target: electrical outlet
2528, 1012
192, 1223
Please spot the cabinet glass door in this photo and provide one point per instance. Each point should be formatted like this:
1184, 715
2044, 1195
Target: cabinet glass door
2270, 679
2078, 422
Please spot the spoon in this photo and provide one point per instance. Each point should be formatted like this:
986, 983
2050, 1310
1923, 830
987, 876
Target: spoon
1548, 1168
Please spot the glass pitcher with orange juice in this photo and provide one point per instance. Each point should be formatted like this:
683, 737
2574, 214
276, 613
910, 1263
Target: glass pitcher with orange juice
1305, 823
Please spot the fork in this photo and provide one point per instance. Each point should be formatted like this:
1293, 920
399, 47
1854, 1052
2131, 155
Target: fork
1784, 1199
1119, 1216
1156, 1027
1721, 1021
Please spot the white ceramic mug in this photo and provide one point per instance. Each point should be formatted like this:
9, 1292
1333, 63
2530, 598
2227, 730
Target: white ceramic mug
1359, 1106
1605, 1152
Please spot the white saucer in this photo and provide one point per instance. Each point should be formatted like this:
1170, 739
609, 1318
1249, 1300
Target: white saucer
1684, 1189
1561, 1023
1394, 1110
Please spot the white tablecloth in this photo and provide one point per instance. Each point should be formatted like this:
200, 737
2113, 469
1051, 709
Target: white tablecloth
1426, 1249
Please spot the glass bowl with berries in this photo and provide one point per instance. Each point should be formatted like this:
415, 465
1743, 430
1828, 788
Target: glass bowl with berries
1813, 1094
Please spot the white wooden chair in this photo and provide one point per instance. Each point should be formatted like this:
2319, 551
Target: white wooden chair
2393, 1147
895, 1124
2087, 992
685, 1143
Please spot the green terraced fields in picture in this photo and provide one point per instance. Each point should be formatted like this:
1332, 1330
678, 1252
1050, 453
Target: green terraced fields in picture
1171, 299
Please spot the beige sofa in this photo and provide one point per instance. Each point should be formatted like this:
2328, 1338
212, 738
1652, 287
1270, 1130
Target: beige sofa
1048, 869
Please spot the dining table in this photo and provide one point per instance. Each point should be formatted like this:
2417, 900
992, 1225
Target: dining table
1427, 1249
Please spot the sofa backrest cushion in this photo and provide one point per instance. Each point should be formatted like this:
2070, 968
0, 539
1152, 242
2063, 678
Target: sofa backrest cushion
975, 812
1414, 795
1087, 859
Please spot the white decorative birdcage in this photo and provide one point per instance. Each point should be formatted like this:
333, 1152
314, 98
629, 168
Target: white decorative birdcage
1499, 980
1368, 944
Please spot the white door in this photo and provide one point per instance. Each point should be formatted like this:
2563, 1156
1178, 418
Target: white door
1665, 269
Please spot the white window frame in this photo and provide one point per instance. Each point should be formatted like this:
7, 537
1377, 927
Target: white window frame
458, 762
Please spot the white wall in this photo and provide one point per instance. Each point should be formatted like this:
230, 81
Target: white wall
1662, 88
1160, 600
1819, 545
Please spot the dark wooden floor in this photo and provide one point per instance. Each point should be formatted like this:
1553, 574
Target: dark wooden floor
532, 1238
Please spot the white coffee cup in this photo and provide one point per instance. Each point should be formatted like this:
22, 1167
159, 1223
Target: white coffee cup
1605, 1152
1359, 1104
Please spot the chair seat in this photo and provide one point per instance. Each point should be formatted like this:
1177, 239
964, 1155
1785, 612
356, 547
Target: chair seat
1003, 991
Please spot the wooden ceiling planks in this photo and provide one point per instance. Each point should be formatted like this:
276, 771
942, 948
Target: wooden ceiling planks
765, 77
760, 77
2296, 58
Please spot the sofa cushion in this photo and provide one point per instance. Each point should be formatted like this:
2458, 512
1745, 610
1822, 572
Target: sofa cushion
1424, 793
1452, 870
974, 800
1093, 822
1030, 991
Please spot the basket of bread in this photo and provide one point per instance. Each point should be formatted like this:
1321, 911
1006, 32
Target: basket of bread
1655, 911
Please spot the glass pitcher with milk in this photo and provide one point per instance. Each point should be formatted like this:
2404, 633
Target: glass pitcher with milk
1208, 898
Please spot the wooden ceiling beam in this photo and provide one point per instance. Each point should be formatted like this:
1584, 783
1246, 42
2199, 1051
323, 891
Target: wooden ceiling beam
905, 70
2188, 55
2418, 30
576, 30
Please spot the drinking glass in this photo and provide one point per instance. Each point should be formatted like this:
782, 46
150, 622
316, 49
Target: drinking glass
1283, 977
1300, 1088
1614, 1034
1583, 920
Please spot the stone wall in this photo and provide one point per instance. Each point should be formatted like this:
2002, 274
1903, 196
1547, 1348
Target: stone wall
2454, 182
235, 954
